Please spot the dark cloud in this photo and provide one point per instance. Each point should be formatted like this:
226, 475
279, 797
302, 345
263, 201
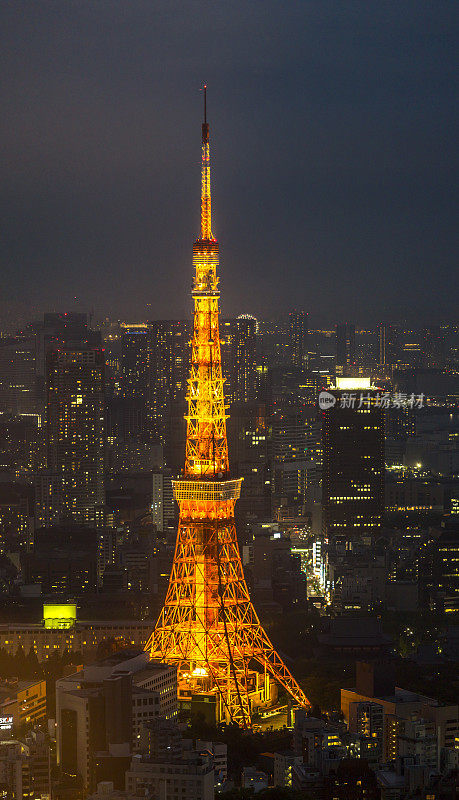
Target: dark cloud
333, 125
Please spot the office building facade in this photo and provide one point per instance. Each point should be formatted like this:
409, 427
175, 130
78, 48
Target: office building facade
353, 463
345, 347
75, 439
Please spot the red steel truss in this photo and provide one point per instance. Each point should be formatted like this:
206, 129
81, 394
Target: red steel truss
208, 625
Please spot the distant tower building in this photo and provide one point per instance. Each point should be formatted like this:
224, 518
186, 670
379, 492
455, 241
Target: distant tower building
154, 358
412, 349
23, 357
239, 358
135, 348
446, 565
18, 374
168, 365
298, 339
434, 347
382, 344
290, 435
353, 462
63, 326
249, 436
386, 345
345, 346
75, 430
294, 452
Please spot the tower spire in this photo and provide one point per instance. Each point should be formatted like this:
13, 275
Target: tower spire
206, 230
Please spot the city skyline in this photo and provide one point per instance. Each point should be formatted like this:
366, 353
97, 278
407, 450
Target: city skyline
336, 170
229, 539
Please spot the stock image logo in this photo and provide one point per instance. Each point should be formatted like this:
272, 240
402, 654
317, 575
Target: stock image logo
326, 400
377, 400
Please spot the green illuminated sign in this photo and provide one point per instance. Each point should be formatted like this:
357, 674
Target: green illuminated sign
59, 615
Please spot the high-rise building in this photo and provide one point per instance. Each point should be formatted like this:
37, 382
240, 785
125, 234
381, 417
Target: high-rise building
239, 358
345, 346
411, 351
249, 435
290, 435
208, 625
128, 435
381, 354
75, 430
128, 447
167, 372
65, 325
18, 384
135, 356
274, 343
434, 346
16, 515
54, 331
154, 357
386, 345
298, 339
446, 566
23, 357
353, 461
295, 451
21, 446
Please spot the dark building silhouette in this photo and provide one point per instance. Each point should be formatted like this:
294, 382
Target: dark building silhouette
75, 438
353, 463
18, 380
20, 444
64, 560
345, 345
248, 432
135, 356
386, 345
238, 350
168, 372
107, 708
298, 338
446, 567
16, 515
23, 359
433, 347
154, 358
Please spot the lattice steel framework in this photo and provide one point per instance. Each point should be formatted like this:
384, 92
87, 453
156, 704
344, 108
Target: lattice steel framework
208, 625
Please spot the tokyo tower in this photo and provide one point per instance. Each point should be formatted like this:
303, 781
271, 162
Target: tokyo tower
208, 625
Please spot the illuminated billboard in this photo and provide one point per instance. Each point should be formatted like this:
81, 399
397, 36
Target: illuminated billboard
59, 615
353, 383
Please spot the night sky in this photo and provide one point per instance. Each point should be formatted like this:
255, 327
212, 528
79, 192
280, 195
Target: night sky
333, 144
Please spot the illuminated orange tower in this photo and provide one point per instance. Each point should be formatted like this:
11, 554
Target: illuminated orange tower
208, 625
